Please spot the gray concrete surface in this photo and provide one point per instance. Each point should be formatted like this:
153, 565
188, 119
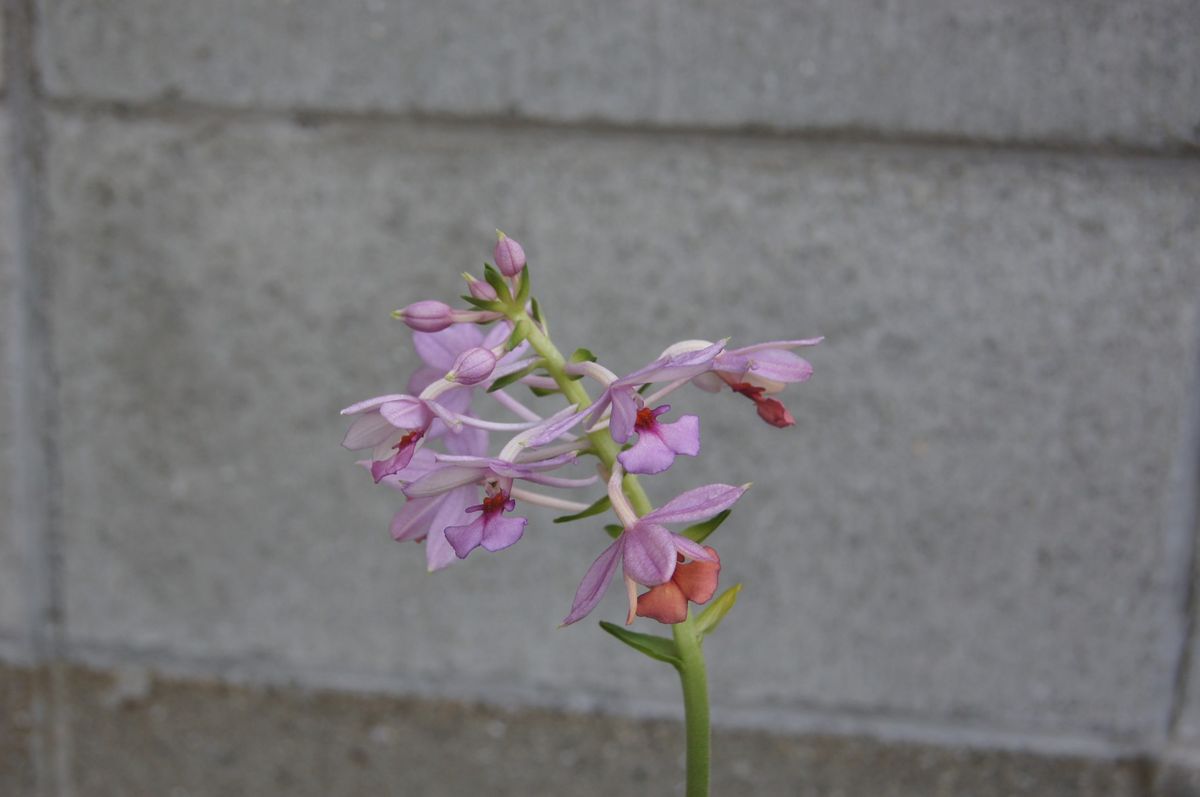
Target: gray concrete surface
1098, 72
12, 596
985, 435
979, 538
18, 774
203, 739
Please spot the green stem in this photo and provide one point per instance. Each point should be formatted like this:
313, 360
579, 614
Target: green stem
605, 447
693, 676
692, 672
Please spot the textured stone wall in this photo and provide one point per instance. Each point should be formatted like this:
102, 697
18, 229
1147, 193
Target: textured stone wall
980, 532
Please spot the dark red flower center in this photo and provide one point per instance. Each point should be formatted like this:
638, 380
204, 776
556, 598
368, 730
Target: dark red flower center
493, 504
770, 410
645, 419
752, 392
409, 439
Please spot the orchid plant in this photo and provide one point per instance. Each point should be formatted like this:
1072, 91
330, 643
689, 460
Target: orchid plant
431, 445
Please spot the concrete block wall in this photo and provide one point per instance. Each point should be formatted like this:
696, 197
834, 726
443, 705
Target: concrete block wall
981, 532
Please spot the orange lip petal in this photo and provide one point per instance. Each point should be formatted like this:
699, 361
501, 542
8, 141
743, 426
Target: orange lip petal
698, 580
665, 603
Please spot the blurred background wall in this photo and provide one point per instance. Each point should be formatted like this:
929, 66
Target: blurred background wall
969, 567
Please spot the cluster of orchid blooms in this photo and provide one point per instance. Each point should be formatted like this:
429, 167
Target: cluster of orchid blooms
430, 444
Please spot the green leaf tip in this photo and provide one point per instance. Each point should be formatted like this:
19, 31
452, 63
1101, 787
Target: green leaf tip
482, 304
700, 531
496, 280
508, 379
523, 287
715, 612
538, 316
598, 506
656, 647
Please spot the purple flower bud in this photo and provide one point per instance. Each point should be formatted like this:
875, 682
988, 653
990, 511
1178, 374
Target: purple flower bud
472, 366
426, 316
480, 289
509, 256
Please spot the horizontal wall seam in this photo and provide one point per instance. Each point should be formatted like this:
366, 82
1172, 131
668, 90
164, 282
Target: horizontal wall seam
188, 110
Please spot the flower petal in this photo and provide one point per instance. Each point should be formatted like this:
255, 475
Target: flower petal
367, 431
423, 377
414, 518
624, 413
694, 550
778, 365
443, 480
372, 403
464, 539
595, 582
698, 580
453, 511
682, 436
517, 470
649, 554
499, 532
383, 449
709, 382
775, 413
697, 504
598, 406
497, 334
440, 349
554, 426
393, 464
457, 400
779, 344
408, 413
678, 366
471, 441
648, 455
422, 462
665, 603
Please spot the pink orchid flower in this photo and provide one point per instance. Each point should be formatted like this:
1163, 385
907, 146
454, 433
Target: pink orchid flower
756, 372
659, 442
490, 530
393, 426
647, 551
426, 519
621, 394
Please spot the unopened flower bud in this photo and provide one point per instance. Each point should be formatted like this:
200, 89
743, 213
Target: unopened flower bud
509, 256
427, 316
472, 366
480, 289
